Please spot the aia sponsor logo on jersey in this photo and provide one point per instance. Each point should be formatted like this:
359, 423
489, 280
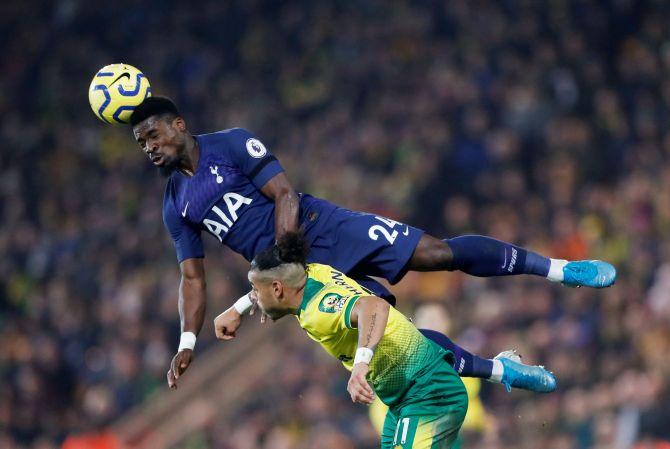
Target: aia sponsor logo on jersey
219, 222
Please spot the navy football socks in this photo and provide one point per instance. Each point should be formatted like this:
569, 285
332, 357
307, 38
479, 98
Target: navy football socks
482, 256
465, 363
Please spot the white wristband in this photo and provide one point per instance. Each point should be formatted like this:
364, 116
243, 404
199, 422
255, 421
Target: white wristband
243, 305
187, 341
363, 355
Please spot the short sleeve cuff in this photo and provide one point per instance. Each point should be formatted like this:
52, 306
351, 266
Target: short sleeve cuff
267, 170
183, 255
347, 312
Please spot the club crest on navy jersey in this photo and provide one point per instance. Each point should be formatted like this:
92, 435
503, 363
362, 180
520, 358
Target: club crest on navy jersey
256, 148
214, 169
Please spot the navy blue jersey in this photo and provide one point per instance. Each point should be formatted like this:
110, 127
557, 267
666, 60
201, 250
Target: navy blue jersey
224, 197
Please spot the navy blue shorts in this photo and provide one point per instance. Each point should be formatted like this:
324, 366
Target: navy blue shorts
361, 244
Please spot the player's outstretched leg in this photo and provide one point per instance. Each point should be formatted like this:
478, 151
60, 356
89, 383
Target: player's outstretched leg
466, 364
506, 368
484, 256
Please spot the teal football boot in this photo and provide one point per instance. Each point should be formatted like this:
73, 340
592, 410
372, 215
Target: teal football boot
526, 377
589, 273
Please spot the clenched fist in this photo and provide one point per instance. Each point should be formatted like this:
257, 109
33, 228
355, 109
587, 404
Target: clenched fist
227, 323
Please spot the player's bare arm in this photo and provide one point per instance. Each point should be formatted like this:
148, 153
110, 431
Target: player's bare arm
287, 206
287, 203
370, 315
192, 306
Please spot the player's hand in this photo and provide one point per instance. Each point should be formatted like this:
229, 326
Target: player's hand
180, 362
358, 386
227, 323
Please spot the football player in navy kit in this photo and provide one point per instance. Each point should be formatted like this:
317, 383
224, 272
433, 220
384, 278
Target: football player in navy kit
228, 184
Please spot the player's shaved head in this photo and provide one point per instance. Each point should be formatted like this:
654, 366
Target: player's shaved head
290, 248
278, 275
284, 261
291, 274
154, 106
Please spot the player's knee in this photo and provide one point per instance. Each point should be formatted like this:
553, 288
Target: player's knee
440, 254
432, 254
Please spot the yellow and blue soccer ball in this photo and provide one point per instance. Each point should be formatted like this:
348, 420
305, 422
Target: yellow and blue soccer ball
115, 91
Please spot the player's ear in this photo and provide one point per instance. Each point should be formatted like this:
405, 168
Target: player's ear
277, 289
179, 123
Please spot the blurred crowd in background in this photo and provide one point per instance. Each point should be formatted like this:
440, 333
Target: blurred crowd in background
539, 123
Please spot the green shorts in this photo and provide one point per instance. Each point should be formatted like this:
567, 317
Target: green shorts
430, 413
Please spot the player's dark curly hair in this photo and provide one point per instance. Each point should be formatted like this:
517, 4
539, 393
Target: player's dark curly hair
290, 248
153, 106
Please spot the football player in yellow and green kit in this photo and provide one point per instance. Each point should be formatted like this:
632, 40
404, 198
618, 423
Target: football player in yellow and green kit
386, 354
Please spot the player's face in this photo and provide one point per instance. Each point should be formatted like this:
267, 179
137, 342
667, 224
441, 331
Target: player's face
163, 140
269, 296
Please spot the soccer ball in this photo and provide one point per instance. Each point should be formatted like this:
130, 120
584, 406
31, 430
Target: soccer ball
115, 91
